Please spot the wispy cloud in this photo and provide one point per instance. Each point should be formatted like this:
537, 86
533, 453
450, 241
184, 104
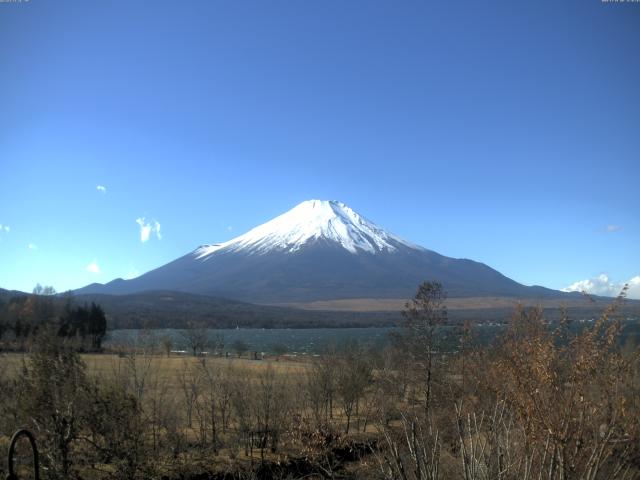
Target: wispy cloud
101, 188
603, 285
613, 228
32, 246
93, 267
230, 228
4, 229
147, 228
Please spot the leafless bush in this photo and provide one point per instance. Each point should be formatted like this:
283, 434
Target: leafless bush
411, 452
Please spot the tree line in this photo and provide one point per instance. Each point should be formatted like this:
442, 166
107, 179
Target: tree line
23, 317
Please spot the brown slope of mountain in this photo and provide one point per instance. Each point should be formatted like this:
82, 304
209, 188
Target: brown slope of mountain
467, 303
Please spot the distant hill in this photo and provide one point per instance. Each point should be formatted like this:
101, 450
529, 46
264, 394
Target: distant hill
166, 309
5, 295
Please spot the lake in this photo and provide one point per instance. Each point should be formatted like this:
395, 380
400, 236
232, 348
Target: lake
316, 340
300, 341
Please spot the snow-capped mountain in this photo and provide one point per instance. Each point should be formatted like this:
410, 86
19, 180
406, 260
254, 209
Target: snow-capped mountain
311, 221
319, 250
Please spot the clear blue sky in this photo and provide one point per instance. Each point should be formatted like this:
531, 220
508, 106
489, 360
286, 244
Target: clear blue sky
506, 132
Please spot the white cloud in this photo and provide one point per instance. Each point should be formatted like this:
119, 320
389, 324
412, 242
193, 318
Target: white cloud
634, 288
147, 228
32, 246
613, 228
603, 285
4, 228
93, 267
101, 188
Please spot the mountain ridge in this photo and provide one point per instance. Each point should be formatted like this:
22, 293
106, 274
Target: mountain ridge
320, 250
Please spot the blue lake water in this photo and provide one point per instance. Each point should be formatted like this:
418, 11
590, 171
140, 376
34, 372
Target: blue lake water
301, 341
317, 340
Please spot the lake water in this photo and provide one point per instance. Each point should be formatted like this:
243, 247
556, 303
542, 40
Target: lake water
317, 340
300, 341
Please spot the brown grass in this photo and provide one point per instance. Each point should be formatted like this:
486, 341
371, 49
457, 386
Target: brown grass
164, 370
468, 303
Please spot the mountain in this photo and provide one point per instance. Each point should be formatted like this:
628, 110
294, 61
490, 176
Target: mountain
319, 250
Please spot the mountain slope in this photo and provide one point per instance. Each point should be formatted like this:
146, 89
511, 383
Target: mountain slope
319, 250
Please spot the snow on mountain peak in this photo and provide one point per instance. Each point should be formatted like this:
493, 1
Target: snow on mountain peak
309, 221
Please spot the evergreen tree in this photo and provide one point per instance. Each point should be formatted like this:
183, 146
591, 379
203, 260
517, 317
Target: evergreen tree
97, 326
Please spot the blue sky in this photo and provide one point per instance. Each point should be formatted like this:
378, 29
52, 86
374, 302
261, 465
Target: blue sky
506, 132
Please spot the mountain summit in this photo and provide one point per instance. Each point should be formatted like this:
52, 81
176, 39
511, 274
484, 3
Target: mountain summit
319, 250
312, 221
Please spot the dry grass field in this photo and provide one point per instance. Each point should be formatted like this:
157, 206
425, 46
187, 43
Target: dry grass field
155, 374
466, 303
104, 362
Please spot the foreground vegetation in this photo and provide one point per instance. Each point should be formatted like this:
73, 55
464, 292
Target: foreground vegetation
541, 402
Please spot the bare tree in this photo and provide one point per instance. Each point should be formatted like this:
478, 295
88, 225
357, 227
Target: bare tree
52, 392
321, 388
423, 315
167, 344
217, 344
271, 405
225, 390
354, 376
240, 347
412, 453
188, 381
212, 402
243, 411
196, 337
157, 404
